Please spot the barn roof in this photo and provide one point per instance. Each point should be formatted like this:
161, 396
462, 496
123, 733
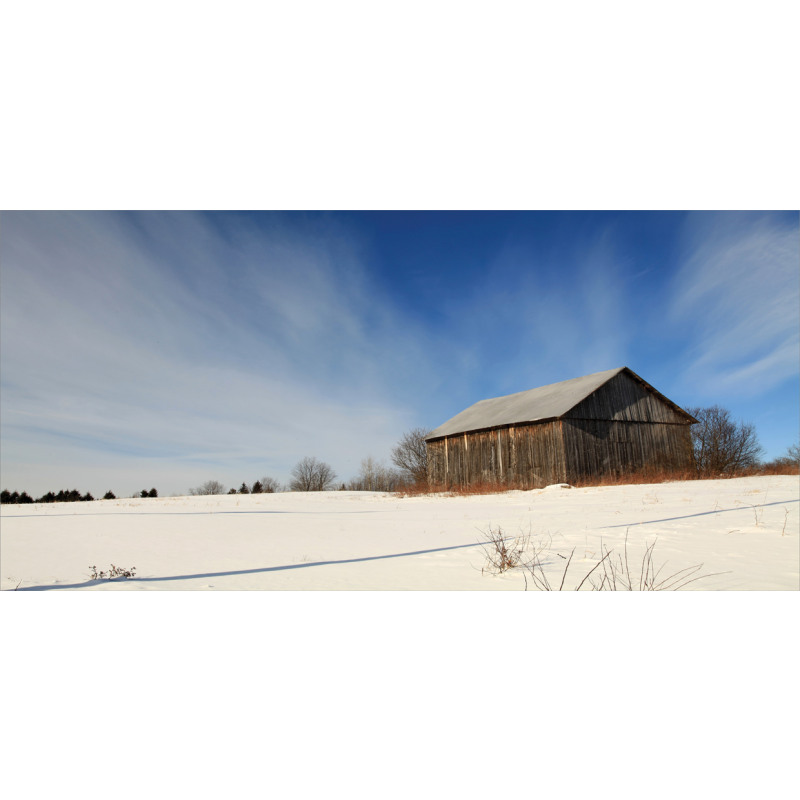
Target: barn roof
536, 405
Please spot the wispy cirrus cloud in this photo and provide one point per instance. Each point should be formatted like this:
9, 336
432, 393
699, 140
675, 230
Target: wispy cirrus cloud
183, 340
186, 346
737, 297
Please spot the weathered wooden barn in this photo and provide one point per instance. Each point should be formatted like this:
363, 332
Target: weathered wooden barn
608, 423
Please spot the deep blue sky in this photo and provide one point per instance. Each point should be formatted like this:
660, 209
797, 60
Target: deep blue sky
165, 349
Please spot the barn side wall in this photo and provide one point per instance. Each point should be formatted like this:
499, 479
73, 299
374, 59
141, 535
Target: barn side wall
527, 456
604, 447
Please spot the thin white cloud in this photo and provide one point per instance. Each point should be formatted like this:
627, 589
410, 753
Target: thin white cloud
162, 338
176, 337
737, 297
195, 347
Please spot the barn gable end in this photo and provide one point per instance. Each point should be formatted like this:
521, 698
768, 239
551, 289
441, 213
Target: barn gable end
627, 398
609, 422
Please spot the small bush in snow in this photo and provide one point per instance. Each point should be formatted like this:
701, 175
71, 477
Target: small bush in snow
503, 552
113, 573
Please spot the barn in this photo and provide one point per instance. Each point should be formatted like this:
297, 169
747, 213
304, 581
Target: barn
608, 423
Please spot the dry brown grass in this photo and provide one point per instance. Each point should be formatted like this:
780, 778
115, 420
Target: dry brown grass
483, 488
645, 476
503, 552
661, 475
773, 469
414, 490
651, 475
612, 572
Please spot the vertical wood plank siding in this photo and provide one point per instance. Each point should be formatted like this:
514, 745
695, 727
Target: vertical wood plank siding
622, 427
625, 400
603, 447
529, 456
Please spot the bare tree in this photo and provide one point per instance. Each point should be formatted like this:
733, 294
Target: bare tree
270, 485
209, 487
375, 476
791, 458
311, 475
720, 445
411, 455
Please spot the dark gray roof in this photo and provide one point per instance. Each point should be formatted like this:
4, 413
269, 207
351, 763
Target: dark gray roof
534, 405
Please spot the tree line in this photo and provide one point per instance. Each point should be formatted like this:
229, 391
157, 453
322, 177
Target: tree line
264, 485
721, 446
409, 460
409, 457
64, 496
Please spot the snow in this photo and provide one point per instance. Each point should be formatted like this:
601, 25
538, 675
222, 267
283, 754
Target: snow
400, 694
745, 531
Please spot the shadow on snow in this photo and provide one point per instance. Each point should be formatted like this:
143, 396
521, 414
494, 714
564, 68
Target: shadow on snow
256, 571
701, 514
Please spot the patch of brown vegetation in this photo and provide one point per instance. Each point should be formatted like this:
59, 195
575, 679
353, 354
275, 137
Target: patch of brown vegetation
670, 476
652, 475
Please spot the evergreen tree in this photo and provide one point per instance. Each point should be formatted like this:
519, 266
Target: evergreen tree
15, 497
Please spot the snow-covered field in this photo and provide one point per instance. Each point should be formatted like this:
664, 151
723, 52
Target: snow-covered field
747, 529
401, 694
